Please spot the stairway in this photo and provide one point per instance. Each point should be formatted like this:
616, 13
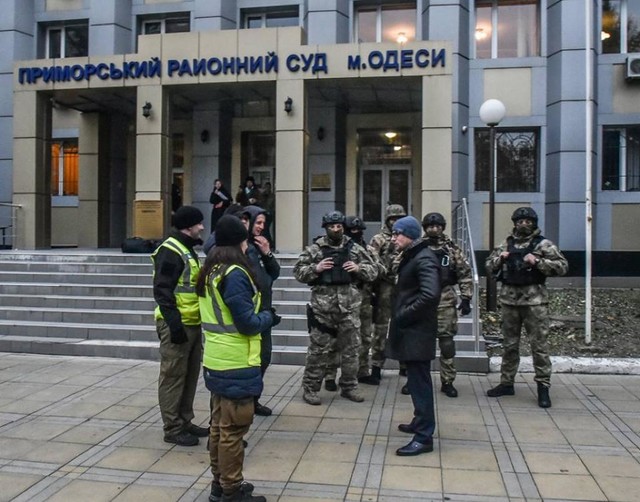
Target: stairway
100, 303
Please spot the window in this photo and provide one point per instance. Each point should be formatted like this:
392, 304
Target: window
64, 167
177, 24
517, 160
507, 28
616, 14
621, 158
272, 18
385, 23
67, 41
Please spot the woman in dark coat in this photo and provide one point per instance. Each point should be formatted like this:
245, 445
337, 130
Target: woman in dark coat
221, 199
413, 328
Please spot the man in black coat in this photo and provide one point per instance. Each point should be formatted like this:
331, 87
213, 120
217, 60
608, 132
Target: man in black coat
413, 328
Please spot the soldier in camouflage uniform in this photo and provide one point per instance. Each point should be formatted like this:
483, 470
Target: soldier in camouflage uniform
455, 269
386, 253
332, 266
354, 227
522, 263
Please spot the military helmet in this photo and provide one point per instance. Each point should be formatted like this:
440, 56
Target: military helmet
394, 211
332, 217
524, 212
354, 223
434, 219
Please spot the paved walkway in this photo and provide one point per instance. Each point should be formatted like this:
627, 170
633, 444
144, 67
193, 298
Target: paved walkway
82, 429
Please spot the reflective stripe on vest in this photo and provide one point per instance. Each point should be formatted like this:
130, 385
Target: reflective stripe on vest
185, 290
225, 347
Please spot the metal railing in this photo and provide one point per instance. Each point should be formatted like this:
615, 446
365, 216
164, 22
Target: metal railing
461, 235
8, 225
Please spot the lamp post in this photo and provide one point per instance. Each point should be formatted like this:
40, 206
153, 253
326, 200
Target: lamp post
492, 112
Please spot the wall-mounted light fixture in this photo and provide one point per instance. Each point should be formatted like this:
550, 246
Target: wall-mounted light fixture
204, 136
390, 134
320, 133
402, 38
146, 110
288, 105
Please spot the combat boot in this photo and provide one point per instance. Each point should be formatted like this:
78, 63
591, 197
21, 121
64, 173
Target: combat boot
353, 395
311, 397
405, 390
544, 401
449, 390
217, 493
373, 379
242, 496
330, 385
501, 390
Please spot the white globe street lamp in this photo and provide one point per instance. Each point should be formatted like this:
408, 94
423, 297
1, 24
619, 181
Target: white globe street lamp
492, 112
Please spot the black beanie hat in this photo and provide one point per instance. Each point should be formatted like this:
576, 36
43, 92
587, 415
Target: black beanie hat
230, 231
186, 217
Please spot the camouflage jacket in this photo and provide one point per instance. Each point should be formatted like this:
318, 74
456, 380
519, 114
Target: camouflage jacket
387, 255
552, 263
344, 298
459, 264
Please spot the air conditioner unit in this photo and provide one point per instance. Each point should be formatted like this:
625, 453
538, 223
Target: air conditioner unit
633, 66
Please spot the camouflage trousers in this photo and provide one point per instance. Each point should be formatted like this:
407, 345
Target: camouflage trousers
447, 329
381, 316
535, 320
366, 327
347, 343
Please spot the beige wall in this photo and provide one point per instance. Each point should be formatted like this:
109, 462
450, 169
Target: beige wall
625, 95
63, 231
623, 218
512, 86
503, 223
64, 5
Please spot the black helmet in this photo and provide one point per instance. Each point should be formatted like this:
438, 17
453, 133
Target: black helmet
434, 219
332, 217
354, 223
524, 212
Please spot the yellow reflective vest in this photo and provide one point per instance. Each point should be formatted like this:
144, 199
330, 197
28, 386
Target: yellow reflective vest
225, 348
185, 292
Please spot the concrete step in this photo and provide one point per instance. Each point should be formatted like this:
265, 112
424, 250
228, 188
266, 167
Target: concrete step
76, 289
77, 302
121, 279
73, 267
75, 256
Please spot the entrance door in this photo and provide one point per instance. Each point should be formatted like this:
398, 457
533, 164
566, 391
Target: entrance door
380, 186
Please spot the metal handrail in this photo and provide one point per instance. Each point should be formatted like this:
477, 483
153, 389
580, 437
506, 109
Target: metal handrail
461, 234
12, 226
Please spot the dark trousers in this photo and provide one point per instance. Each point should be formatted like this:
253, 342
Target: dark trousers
421, 390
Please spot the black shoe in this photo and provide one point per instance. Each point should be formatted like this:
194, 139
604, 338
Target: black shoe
262, 410
374, 378
449, 390
544, 401
414, 448
330, 385
406, 428
403, 372
182, 439
244, 444
501, 390
405, 390
217, 493
241, 496
199, 432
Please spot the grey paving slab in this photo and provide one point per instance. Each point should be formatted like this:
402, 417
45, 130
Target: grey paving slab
74, 428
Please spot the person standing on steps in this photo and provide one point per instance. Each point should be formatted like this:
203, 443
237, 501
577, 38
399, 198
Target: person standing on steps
332, 266
175, 271
386, 253
354, 228
220, 199
232, 319
522, 263
454, 269
414, 327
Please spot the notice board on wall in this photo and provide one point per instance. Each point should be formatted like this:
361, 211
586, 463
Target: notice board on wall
148, 220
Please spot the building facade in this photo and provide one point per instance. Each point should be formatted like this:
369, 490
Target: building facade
114, 112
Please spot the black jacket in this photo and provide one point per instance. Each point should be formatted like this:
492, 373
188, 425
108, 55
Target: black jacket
414, 321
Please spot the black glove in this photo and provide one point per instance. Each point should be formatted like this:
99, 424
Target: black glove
275, 318
464, 307
179, 336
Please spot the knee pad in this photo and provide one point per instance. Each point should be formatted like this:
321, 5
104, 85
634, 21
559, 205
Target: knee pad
447, 347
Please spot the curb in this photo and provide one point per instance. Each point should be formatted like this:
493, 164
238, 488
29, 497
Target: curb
589, 365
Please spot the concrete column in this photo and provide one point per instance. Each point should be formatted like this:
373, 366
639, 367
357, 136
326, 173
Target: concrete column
110, 30
436, 145
88, 180
152, 150
291, 167
327, 22
32, 169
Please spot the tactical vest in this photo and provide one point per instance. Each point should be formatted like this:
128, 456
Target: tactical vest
185, 292
515, 271
448, 276
225, 347
337, 275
